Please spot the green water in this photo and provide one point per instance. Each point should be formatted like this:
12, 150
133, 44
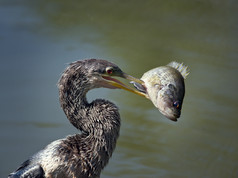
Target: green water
39, 39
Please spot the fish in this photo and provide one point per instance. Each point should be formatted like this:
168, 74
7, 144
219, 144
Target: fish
165, 87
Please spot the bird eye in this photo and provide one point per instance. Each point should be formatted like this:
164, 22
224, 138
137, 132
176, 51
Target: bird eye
109, 70
176, 104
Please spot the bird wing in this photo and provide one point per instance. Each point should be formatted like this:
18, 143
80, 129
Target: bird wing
28, 170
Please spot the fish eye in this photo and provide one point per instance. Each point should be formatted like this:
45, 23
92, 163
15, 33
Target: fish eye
109, 70
176, 104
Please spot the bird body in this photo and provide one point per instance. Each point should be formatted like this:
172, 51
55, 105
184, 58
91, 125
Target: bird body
87, 153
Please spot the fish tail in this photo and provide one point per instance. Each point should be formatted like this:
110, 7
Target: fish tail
180, 67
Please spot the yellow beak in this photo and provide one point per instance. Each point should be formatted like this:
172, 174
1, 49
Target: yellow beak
118, 84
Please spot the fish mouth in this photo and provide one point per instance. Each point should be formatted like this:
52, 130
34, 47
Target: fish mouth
168, 110
171, 116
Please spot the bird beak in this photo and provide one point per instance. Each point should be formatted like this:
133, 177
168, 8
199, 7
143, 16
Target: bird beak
118, 84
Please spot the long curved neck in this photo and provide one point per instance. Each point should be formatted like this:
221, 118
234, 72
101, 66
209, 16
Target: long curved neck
99, 119
72, 99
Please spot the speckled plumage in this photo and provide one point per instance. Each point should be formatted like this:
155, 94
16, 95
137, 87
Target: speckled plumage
87, 153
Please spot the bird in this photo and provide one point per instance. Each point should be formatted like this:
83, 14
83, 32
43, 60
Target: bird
86, 153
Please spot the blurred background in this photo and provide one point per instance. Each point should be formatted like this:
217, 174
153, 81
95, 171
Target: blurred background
39, 38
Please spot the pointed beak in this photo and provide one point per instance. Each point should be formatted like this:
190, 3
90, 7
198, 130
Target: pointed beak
118, 84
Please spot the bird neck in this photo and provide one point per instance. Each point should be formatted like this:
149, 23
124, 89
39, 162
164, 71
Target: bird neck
72, 96
99, 118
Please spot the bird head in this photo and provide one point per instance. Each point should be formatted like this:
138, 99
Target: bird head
101, 73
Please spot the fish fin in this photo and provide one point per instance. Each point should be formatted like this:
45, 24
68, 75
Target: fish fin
180, 67
139, 87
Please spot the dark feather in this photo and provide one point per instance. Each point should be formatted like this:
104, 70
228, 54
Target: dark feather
27, 170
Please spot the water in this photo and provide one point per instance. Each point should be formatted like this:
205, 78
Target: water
38, 39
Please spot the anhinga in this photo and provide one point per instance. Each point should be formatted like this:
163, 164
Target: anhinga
84, 154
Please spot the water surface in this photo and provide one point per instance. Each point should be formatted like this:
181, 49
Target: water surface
39, 39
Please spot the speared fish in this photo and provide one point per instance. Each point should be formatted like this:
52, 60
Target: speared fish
164, 86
